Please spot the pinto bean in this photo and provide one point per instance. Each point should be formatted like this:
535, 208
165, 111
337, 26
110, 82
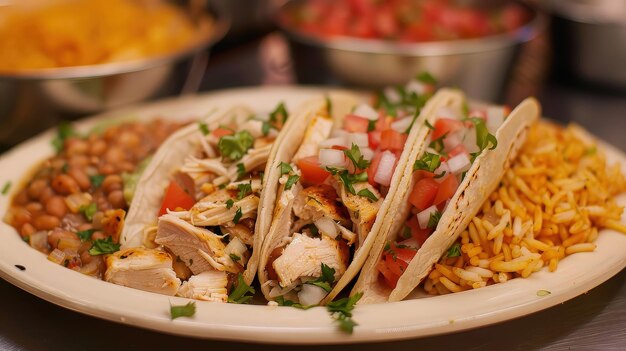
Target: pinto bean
80, 177
56, 206
34, 207
98, 147
46, 194
115, 155
116, 198
76, 146
65, 185
111, 183
57, 234
27, 230
36, 187
46, 222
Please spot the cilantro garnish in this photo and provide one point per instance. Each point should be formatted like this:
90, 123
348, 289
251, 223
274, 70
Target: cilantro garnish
103, 247
234, 257
96, 180
88, 211
428, 125
244, 189
368, 194
291, 181
204, 128
349, 179
6, 187
85, 235
64, 131
235, 146
265, 128
429, 162
371, 125
229, 204
325, 280
354, 154
437, 144
406, 232
280, 300
240, 293
341, 311
329, 105
454, 250
427, 78
484, 139
241, 170
187, 310
285, 168
433, 220
238, 215
279, 115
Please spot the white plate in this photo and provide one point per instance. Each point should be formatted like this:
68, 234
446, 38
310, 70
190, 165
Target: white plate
427, 316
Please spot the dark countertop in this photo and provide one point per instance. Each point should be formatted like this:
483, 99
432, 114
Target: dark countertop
596, 320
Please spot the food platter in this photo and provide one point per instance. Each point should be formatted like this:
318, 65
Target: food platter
272, 324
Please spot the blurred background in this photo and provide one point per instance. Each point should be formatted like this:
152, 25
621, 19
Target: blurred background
66, 59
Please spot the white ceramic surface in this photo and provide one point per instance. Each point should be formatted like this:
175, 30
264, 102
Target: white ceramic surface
426, 316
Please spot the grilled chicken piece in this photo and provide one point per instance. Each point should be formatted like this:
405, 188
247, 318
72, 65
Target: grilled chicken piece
244, 231
143, 269
317, 131
213, 214
362, 211
319, 201
199, 248
208, 286
254, 159
304, 255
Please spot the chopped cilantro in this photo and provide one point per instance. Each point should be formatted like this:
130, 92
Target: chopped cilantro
204, 128
96, 180
235, 146
325, 280
291, 181
238, 215
88, 211
241, 170
265, 128
341, 311
244, 189
280, 300
187, 310
354, 154
454, 250
371, 125
428, 125
434, 219
406, 232
229, 204
240, 293
103, 247
427, 78
368, 194
437, 144
285, 168
329, 105
6, 188
349, 179
85, 235
429, 162
64, 131
484, 139
234, 257
279, 115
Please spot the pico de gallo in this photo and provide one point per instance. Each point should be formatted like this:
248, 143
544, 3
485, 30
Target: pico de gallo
456, 138
403, 20
336, 184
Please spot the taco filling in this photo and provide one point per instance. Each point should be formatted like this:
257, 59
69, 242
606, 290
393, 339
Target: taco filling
456, 137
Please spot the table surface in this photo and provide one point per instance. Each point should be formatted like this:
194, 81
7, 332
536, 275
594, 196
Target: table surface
595, 320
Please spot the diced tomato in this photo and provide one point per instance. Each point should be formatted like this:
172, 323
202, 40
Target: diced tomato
355, 124
419, 174
418, 233
447, 188
384, 122
424, 193
373, 139
220, 132
373, 167
395, 265
389, 278
312, 173
457, 150
404, 254
392, 140
445, 126
386, 23
176, 197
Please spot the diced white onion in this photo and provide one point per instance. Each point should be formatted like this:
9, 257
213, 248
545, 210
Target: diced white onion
366, 111
360, 139
447, 112
416, 87
329, 143
311, 294
385, 168
443, 167
238, 248
469, 140
332, 158
402, 125
392, 95
452, 140
57, 256
327, 226
424, 216
459, 163
410, 242
75, 201
367, 153
255, 127
495, 118
39, 241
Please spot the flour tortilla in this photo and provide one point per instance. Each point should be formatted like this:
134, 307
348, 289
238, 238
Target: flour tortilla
481, 180
287, 146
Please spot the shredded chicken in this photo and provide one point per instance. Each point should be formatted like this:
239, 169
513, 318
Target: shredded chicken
254, 159
240, 231
143, 269
362, 210
319, 201
318, 130
208, 286
214, 214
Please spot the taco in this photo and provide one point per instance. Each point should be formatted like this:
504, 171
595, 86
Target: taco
199, 201
458, 158
334, 174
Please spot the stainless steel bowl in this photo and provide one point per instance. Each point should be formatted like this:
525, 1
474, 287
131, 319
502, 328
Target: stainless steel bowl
33, 100
478, 66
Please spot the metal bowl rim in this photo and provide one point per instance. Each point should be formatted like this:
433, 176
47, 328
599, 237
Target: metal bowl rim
222, 23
